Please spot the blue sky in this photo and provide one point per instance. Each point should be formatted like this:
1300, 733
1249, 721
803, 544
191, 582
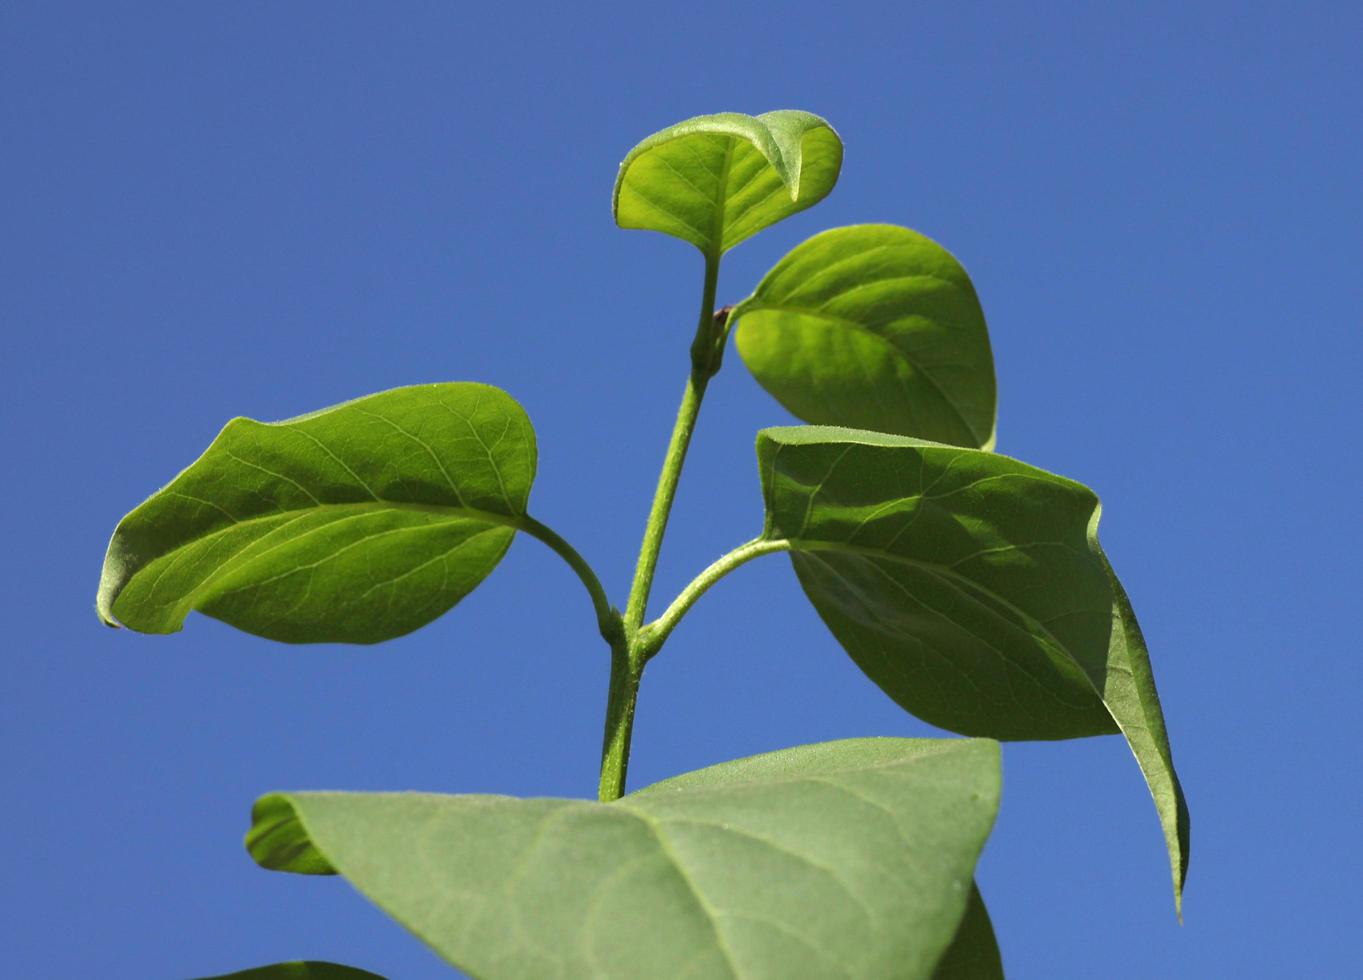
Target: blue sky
262, 209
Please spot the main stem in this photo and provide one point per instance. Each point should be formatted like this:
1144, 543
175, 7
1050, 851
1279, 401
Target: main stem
620, 701
628, 655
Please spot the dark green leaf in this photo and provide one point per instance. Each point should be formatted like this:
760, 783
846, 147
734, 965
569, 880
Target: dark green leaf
844, 859
873, 327
357, 523
310, 970
972, 589
962, 582
974, 952
717, 180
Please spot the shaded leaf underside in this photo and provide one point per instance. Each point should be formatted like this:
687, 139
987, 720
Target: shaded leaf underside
971, 588
974, 952
300, 970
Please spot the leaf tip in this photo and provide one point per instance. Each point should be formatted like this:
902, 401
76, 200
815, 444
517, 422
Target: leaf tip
104, 602
112, 578
278, 841
1184, 836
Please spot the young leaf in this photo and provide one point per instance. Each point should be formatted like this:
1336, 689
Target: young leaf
873, 327
716, 180
301, 970
355, 524
844, 859
971, 588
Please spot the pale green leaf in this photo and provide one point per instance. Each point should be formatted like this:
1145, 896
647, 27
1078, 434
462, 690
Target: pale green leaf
300, 970
873, 327
847, 859
356, 523
971, 588
717, 180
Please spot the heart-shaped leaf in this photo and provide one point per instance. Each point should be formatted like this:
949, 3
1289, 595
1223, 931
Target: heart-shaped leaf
716, 180
301, 970
843, 859
971, 588
355, 524
873, 327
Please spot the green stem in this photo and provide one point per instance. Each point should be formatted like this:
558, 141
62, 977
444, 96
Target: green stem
652, 636
676, 455
628, 655
620, 702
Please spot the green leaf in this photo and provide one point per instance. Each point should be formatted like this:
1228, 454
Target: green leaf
301, 970
716, 180
1130, 692
974, 952
962, 582
843, 859
873, 327
357, 523
971, 588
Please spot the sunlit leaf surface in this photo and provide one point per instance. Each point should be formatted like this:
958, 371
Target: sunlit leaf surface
357, 523
873, 327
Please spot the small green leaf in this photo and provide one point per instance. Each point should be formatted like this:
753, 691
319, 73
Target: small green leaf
356, 524
971, 588
301, 970
716, 180
844, 859
974, 952
873, 327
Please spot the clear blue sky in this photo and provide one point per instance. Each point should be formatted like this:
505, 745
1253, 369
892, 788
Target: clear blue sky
217, 209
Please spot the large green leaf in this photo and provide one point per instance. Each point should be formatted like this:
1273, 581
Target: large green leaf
716, 180
843, 859
972, 589
300, 970
357, 523
873, 327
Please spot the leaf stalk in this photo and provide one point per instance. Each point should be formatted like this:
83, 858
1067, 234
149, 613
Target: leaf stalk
655, 634
608, 618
